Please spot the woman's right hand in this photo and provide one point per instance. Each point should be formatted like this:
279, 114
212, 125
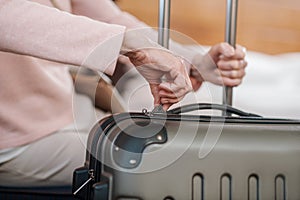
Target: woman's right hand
165, 72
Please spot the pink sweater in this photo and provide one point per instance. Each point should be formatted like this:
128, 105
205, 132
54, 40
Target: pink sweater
36, 94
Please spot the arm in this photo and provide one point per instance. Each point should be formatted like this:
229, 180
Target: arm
101, 92
32, 29
58, 36
108, 11
209, 66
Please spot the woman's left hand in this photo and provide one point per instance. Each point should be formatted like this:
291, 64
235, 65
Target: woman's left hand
222, 65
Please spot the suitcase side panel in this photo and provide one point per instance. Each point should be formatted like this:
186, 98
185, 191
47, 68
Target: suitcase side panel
228, 170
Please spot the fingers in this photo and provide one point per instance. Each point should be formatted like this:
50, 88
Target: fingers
171, 97
166, 106
166, 98
228, 66
233, 74
155, 93
226, 51
240, 52
231, 82
176, 88
223, 49
232, 68
155, 64
170, 94
231, 64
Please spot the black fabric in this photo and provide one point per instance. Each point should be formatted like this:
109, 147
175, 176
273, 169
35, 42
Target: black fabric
37, 193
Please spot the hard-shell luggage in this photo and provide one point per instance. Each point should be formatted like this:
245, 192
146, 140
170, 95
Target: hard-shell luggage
179, 156
154, 155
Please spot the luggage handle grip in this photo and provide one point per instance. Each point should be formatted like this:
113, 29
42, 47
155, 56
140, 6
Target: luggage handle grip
207, 106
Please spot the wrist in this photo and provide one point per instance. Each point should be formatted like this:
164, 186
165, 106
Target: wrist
134, 40
198, 65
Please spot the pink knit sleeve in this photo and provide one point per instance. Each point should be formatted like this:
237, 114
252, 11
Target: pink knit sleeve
32, 29
108, 11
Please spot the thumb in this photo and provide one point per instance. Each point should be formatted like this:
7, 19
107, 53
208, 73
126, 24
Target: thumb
221, 49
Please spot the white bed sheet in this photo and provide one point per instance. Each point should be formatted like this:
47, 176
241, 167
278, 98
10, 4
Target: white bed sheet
272, 85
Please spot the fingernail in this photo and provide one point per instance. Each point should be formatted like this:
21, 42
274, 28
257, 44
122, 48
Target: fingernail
164, 101
162, 91
243, 62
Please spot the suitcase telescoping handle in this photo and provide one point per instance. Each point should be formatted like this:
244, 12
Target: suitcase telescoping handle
230, 37
206, 106
163, 34
164, 23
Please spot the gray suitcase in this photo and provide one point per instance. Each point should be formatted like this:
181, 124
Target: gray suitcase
182, 156
179, 156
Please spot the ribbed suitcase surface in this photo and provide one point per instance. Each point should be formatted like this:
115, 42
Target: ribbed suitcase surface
196, 157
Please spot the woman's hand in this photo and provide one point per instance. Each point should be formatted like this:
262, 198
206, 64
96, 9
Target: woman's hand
166, 74
222, 65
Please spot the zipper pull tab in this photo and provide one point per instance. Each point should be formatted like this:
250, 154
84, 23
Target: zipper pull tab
91, 178
159, 109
